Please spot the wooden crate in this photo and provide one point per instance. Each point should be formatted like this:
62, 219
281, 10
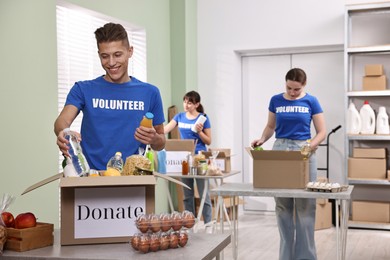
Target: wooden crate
30, 238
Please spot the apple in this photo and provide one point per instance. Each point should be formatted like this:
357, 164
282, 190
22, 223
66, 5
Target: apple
25, 220
8, 219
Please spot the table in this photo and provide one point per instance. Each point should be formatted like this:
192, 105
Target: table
246, 189
219, 178
199, 246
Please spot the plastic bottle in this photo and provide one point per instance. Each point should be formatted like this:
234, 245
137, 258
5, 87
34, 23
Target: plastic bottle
367, 116
201, 119
184, 167
116, 162
147, 120
161, 159
77, 157
69, 170
306, 150
354, 122
382, 122
150, 156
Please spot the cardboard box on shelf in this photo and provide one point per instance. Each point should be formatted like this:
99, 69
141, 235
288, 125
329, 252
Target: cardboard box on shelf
362, 152
279, 169
97, 210
367, 168
323, 215
374, 83
371, 211
177, 151
373, 69
223, 159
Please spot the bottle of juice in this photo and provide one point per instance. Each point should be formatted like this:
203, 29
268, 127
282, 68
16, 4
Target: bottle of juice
147, 120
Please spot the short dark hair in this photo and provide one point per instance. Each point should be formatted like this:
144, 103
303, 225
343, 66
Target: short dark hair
296, 74
111, 32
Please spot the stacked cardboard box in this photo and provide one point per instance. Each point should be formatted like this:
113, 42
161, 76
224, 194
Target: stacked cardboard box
374, 78
323, 211
368, 163
370, 211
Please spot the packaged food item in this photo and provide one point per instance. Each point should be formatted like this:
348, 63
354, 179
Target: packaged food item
306, 150
133, 161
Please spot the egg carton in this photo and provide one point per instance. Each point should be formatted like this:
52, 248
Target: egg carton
326, 187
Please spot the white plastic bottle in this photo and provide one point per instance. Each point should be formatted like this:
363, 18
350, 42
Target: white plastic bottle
367, 115
116, 162
354, 122
382, 122
201, 119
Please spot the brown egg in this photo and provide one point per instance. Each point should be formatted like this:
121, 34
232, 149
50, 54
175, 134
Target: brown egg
177, 221
166, 222
134, 241
164, 241
144, 243
154, 242
188, 219
183, 238
155, 223
142, 222
174, 240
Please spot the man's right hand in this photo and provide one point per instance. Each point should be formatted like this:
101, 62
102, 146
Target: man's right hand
63, 143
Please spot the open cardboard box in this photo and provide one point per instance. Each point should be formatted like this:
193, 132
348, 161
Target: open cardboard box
223, 158
103, 209
176, 153
279, 169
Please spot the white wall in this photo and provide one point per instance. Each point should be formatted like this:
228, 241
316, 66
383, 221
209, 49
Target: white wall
227, 26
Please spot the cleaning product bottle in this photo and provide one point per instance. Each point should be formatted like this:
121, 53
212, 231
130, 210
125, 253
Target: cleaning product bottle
367, 115
75, 151
116, 162
354, 122
382, 122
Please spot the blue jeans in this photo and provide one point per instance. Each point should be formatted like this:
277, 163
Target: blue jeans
189, 198
296, 237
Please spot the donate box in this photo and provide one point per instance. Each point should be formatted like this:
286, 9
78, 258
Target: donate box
104, 209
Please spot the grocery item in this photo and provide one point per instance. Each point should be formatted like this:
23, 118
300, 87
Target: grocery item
69, 169
147, 120
133, 161
382, 122
306, 150
161, 159
79, 162
354, 122
116, 162
184, 167
201, 119
367, 116
150, 156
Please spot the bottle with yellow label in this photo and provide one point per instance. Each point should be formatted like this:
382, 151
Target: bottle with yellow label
147, 120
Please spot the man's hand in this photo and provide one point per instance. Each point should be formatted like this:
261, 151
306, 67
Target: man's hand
63, 143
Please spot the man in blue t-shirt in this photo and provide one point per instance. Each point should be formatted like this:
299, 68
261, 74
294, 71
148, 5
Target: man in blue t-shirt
113, 105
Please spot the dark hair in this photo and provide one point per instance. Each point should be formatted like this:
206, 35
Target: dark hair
194, 97
296, 74
111, 32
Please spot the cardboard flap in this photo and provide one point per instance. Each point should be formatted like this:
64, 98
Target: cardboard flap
43, 182
221, 155
108, 181
180, 145
223, 152
171, 179
275, 155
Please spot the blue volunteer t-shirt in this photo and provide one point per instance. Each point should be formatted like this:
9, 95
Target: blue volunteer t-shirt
293, 117
184, 124
111, 113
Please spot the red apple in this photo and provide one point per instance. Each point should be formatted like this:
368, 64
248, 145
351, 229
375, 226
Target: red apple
25, 220
8, 219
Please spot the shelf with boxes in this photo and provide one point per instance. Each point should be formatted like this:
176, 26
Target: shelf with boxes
367, 70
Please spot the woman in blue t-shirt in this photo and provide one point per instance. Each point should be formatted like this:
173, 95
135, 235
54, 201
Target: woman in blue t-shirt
193, 109
289, 117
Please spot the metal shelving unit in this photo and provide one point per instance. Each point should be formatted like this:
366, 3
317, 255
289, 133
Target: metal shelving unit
367, 41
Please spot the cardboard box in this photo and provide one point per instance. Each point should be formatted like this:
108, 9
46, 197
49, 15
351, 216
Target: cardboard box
323, 215
21, 240
371, 211
367, 168
360, 152
374, 83
373, 69
279, 169
176, 153
223, 159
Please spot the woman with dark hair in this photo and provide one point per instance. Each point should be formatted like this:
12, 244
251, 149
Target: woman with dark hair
289, 116
186, 120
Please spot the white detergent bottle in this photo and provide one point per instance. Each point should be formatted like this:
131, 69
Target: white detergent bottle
382, 122
354, 122
367, 116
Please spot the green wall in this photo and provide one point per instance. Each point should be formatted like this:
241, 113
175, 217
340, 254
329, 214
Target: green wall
28, 100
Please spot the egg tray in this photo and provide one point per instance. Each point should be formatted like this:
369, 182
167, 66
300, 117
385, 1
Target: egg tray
324, 189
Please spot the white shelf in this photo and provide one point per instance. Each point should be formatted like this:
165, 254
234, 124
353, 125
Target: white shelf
373, 137
377, 93
368, 49
353, 181
368, 225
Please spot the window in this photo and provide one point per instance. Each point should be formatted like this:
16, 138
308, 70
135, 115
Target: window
77, 51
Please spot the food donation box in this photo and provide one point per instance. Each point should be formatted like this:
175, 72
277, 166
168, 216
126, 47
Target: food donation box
279, 169
104, 209
177, 152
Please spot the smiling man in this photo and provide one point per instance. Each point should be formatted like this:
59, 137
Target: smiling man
113, 105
